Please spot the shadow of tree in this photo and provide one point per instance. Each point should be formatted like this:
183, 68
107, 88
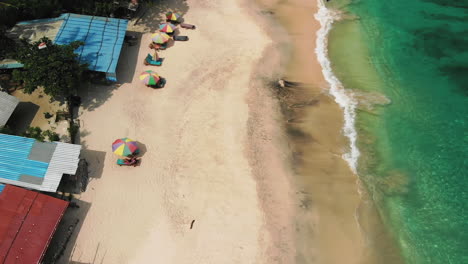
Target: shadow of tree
153, 13
94, 95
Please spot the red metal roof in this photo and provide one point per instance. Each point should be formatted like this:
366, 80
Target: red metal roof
27, 222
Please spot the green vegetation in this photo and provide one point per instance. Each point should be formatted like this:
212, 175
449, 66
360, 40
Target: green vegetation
39, 135
17, 10
6, 44
55, 67
51, 135
48, 115
6, 130
34, 132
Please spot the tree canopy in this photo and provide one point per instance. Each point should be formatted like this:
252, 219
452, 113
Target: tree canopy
17, 10
6, 45
55, 67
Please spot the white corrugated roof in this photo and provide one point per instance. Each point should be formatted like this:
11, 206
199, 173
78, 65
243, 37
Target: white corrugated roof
8, 104
64, 161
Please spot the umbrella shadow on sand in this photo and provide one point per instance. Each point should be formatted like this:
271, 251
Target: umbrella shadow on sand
170, 43
161, 84
142, 148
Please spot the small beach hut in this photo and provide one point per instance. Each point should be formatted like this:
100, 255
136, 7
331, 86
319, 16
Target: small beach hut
28, 163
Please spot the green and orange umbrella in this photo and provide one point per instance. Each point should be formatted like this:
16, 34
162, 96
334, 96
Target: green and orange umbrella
167, 28
172, 16
149, 77
160, 37
124, 147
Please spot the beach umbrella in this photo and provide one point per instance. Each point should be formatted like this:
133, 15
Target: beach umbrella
149, 77
124, 147
160, 37
167, 27
172, 16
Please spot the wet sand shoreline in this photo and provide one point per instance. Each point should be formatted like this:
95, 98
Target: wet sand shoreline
327, 230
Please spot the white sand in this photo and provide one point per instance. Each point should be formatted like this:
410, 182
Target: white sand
199, 160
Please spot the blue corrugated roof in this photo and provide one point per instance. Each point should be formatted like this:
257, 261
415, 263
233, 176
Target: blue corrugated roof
2, 186
103, 38
14, 162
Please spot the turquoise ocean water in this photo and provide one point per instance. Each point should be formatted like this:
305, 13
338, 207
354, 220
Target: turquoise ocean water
414, 150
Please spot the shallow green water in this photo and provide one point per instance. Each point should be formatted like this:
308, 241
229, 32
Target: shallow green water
414, 150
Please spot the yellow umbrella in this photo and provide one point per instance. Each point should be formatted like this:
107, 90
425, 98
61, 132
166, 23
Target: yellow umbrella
124, 147
160, 37
167, 28
172, 16
149, 77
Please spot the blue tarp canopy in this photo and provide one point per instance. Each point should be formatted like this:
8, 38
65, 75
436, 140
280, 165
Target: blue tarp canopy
103, 38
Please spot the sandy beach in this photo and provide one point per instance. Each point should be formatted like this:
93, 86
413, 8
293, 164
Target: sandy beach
213, 185
229, 174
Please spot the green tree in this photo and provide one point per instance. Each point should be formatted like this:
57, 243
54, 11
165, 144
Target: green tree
34, 132
15, 10
6, 130
55, 67
7, 45
51, 135
39, 135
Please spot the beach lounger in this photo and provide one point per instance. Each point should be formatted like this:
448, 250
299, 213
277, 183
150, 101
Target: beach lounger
187, 26
181, 38
121, 162
149, 61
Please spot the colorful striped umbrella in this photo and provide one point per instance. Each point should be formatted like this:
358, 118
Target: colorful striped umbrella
172, 16
124, 147
167, 27
160, 37
149, 77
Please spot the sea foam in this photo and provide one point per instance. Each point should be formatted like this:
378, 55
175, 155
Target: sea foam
345, 99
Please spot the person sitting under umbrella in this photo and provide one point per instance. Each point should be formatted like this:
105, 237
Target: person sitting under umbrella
131, 159
157, 46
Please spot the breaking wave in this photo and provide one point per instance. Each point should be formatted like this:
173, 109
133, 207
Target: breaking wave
347, 102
